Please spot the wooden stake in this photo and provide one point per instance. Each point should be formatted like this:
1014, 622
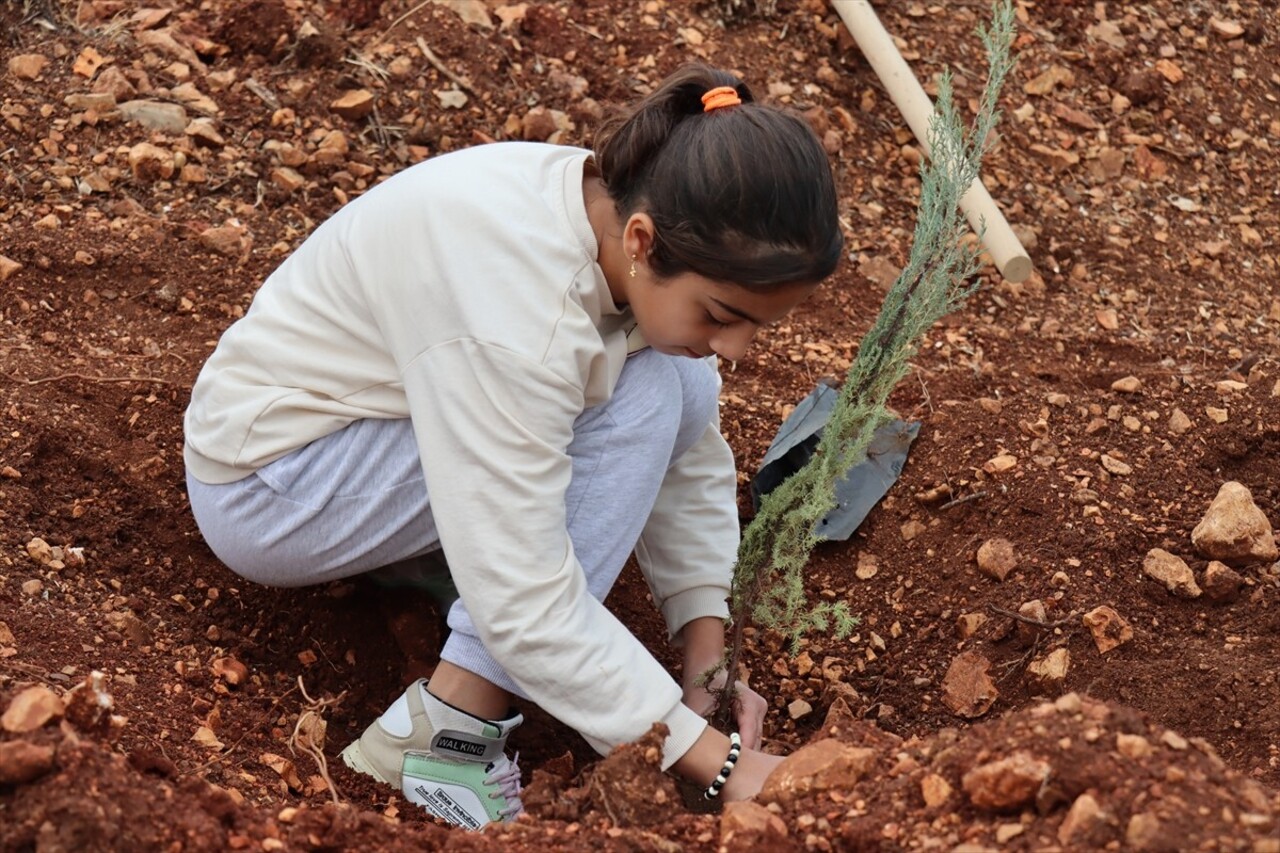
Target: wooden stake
916, 107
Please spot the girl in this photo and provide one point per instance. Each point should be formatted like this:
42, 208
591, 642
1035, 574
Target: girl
499, 362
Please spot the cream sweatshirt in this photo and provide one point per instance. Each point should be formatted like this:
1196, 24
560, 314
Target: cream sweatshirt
464, 293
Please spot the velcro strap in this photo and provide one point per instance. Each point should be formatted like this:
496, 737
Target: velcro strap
467, 746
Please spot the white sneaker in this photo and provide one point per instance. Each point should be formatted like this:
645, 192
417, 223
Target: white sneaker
441, 758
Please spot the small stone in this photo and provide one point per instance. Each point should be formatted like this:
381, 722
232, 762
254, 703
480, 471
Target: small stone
1226, 29
867, 568
40, 551
289, 180
353, 105
229, 240
1179, 423
1051, 670
1127, 385
1143, 832
151, 162
1133, 746
1108, 627
1221, 583
967, 688
1029, 627
1083, 819
155, 115
1108, 319
32, 587
820, 766
935, 790
1172, 571
1234, 529
27, 66
537, 125
912, 529
22, 762
1006, 783
1006, 832
1115, 466
799, 708
87, 63
8, 267
996, 558
1000, 463
967, 624
113, 82
1173, 740
1217, 415
451, 99
31, 709
746, 819
99, 102
202, 132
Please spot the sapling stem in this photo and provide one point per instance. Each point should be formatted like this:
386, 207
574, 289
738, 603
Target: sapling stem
768, 579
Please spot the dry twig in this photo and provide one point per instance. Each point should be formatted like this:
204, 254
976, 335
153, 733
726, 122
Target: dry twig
87, 378
444, 69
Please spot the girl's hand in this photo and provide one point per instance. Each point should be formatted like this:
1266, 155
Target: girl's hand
749, 706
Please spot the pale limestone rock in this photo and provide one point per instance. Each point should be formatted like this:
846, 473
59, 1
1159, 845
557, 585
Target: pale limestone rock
997, 558
935, 790
31, 709
1172, 571
1109, 628
1051, 670
155, 115
1221, 583
1234, 530
151, 162
1083, 818
353, 105
27, 66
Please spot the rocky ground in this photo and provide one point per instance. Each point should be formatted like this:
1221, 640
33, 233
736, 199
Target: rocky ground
1070, 602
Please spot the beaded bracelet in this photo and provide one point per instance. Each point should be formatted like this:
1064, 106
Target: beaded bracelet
735, 749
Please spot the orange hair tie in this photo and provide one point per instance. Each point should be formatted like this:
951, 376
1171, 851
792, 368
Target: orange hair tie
720, 96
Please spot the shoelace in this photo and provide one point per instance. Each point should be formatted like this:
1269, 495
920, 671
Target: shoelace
508, 781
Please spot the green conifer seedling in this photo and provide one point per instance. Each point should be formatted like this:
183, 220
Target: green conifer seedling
768, 580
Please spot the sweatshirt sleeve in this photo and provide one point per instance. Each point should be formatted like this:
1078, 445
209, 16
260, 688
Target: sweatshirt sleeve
690, 542
492, 428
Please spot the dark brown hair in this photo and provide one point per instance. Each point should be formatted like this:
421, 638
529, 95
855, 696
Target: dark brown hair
742, 194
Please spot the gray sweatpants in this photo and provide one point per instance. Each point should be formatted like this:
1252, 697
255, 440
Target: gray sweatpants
356, 500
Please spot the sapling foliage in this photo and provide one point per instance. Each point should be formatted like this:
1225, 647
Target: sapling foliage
768, 579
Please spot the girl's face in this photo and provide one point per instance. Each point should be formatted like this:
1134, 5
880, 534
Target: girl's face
693, 316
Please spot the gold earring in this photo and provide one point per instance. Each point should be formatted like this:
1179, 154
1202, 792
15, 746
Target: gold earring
632, 272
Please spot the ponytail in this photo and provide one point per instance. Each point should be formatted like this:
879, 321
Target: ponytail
740, 193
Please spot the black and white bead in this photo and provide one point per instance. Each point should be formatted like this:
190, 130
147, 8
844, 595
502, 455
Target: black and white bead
735, 749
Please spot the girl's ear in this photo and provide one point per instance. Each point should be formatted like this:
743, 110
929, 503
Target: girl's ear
638, 236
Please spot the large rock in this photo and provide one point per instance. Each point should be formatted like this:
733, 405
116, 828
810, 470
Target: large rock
1234, 530
821, 766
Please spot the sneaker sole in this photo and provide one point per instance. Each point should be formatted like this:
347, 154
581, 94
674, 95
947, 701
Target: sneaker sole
354, 758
